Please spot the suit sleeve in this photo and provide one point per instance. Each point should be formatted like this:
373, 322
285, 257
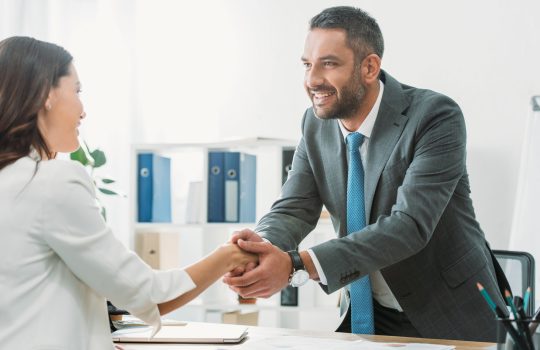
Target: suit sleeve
438, 162
296, 212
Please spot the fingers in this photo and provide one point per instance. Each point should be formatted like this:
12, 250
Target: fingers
255, 247
245, 234
238, 271
257, 290
245, 280
250, 266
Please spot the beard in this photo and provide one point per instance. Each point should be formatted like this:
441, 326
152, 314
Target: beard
349, 100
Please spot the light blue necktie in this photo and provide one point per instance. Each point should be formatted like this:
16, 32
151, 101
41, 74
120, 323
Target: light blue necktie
360, 290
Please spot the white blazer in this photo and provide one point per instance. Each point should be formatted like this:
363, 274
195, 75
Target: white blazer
59, 261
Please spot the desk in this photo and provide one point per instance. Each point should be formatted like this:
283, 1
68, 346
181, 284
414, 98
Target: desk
255, 333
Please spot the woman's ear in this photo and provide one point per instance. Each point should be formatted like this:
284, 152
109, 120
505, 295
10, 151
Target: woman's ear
371, 67
49, 102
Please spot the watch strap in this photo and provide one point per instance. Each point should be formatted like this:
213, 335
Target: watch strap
297, 262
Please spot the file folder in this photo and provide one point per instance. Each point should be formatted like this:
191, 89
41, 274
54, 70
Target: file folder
240, 187
216, 189
154, 188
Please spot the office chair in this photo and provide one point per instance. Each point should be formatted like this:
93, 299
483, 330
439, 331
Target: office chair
519, 270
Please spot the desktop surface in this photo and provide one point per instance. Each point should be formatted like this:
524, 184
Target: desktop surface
256, 334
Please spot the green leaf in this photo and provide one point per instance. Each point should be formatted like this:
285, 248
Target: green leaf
79, 156
108, 181
99, 158
107, 191
88, 155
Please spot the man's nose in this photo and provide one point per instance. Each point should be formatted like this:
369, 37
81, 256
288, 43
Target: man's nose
313, 78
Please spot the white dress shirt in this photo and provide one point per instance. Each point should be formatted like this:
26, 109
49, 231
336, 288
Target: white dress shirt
60, 261
379, 287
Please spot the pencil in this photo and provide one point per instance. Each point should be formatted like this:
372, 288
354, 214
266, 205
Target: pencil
487, 298
508, 297
526, 300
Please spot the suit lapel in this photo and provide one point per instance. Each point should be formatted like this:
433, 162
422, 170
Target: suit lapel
386, 132
334, 153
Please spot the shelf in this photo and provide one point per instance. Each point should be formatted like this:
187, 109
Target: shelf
173, 226
247, 142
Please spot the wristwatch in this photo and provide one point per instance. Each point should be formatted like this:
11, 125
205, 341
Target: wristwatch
299, 275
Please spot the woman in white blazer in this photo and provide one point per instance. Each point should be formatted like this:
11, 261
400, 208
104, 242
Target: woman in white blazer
59, 260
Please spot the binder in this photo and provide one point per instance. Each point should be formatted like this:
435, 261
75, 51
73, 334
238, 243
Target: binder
286, 163
240, 187
232, 186
216, 189
248, 187
154, 188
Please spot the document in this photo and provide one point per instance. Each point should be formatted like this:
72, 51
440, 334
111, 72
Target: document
311, 343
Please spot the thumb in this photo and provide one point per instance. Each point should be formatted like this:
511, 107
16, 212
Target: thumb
255, 247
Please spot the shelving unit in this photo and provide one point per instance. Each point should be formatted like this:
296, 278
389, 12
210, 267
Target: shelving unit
189, 163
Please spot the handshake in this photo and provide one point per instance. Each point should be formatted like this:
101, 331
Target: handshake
262, 268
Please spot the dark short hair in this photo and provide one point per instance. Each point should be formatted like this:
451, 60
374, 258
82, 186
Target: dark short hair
29, 68
363, 33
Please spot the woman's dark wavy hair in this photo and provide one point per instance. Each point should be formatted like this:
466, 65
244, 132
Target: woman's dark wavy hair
29, 68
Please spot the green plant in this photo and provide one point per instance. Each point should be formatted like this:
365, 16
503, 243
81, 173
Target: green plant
93, 159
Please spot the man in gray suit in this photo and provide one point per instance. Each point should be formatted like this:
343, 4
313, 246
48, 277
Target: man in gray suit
419, 242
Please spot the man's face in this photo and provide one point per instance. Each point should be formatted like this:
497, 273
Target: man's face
332, 80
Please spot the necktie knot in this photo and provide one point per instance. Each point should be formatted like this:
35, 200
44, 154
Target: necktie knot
354, 140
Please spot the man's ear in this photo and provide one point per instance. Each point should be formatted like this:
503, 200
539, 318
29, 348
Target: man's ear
371, 67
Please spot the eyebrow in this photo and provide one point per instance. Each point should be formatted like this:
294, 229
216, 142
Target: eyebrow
324, 58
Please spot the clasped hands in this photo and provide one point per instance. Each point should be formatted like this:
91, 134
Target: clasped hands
260, 280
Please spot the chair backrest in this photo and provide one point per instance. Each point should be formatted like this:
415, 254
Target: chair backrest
519, 270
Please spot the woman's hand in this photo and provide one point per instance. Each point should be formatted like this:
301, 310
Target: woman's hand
238, 259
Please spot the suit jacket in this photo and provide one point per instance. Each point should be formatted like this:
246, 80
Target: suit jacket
421, 234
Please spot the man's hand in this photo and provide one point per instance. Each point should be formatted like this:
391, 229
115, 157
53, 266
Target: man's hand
267, 278
246, 235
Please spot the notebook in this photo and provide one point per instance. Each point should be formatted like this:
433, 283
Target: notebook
192, 332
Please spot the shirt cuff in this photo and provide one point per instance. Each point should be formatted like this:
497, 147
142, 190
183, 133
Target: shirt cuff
320, 272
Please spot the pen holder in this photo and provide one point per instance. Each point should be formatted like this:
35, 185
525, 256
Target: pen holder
511, 334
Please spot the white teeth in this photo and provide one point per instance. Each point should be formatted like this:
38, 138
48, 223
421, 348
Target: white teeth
319, 95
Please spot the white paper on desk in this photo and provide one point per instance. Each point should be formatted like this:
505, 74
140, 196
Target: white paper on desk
312, 343
364, 344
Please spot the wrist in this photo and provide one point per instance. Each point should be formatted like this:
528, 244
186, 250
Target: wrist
299, 276
309, 265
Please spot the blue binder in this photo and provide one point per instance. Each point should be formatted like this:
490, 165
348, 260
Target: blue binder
154, 188
232, 187
240, 187
248, 187
216, 189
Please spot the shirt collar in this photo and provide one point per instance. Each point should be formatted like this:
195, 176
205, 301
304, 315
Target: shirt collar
367, 125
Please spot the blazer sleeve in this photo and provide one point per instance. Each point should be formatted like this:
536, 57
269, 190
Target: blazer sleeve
436, 138
296, 212
74, 229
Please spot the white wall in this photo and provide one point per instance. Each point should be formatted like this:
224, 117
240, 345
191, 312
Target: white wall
175, 71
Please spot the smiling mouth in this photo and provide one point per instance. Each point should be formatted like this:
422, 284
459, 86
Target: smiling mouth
321, 97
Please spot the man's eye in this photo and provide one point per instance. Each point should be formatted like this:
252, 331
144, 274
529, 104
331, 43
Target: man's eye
329, 64
307, 65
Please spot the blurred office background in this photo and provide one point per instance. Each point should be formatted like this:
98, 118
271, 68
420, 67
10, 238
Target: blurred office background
190, 71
